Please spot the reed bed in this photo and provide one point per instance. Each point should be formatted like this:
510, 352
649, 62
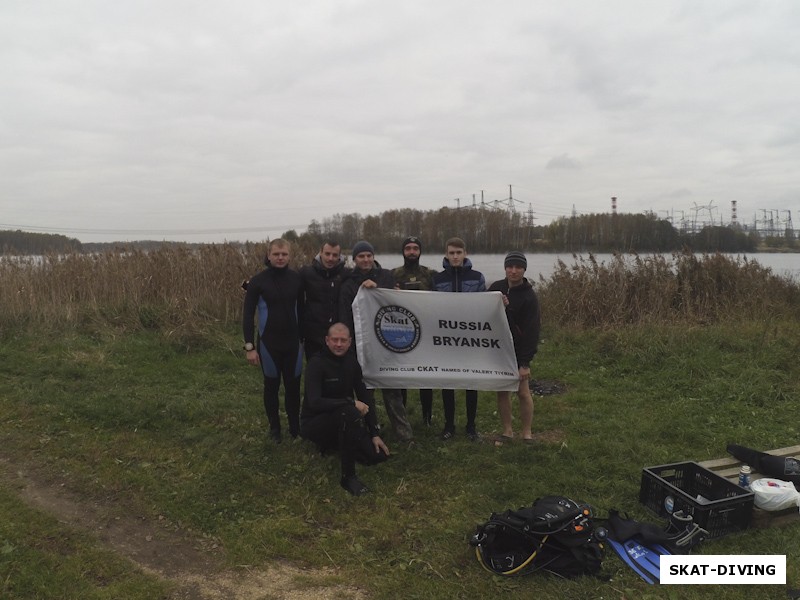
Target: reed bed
171, 288
181, 290
681, 288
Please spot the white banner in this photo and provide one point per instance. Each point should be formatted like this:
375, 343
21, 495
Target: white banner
413, 339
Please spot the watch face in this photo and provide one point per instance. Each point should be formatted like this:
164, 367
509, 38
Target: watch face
248, 346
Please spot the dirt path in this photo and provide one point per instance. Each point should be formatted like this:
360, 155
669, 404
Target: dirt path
195, 565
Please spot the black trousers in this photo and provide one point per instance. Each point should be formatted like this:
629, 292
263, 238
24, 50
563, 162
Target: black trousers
344, 430
425, 401
286, 365
449, 403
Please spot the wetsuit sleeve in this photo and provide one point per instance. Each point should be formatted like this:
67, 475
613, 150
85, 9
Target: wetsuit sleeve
362, 393
248, 311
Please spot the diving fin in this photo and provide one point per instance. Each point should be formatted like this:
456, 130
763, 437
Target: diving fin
619, 549
644, 560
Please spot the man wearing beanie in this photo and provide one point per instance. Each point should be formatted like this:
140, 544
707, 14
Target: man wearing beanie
524, 319
369, 274
413, 276
458, 276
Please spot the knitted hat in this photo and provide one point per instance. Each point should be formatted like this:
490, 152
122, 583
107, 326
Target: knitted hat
515, 258
412, 239
362, 246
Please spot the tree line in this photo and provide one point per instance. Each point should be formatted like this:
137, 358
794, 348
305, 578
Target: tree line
26, 243
485, 230
491, 230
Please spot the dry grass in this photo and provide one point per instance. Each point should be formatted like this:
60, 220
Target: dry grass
172, 288
181, 290
685, 288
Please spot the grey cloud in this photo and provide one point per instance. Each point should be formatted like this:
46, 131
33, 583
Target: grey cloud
188, 116
564, 161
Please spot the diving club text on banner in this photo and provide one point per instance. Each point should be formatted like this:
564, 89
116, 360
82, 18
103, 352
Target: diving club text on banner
414, 339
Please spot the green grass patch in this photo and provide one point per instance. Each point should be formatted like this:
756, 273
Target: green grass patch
177, 432
41, 558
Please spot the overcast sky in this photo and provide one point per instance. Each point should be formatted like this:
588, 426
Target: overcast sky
212, 121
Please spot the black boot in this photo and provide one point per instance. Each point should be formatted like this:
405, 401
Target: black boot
354, 485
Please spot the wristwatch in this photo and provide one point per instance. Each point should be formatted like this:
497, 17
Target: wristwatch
248, 346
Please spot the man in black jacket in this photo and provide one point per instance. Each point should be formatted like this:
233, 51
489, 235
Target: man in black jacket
524, 319
322, 282
332, 417
369, 275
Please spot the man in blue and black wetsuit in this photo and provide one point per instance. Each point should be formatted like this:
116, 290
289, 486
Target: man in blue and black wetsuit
277, 294
458, 276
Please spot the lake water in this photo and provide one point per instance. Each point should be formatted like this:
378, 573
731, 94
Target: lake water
491, 265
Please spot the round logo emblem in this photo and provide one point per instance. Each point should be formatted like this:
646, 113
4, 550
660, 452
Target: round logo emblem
669, 504
397, 328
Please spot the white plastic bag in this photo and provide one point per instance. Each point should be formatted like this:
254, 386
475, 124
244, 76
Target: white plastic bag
774, 494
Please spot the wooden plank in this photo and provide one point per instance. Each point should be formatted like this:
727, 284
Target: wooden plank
729, 467
713, 465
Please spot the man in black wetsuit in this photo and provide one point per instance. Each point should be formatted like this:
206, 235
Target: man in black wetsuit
369, 274
277, 294
332, 418
322, 281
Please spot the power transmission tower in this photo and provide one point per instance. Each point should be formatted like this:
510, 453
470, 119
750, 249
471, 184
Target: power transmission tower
698, 209
511, 202
530, 217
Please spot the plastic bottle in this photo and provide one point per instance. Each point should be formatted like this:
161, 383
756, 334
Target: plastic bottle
744, 477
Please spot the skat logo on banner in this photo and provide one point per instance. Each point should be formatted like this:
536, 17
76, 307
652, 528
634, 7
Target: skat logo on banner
397, 329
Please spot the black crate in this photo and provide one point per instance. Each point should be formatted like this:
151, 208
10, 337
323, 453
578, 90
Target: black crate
717, 504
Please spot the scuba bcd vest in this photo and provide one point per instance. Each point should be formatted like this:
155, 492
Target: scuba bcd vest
555, 535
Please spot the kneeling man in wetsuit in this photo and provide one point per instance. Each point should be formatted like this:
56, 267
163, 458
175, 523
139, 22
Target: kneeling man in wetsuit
332, 418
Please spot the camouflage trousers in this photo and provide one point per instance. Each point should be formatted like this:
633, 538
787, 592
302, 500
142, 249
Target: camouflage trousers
396, 410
